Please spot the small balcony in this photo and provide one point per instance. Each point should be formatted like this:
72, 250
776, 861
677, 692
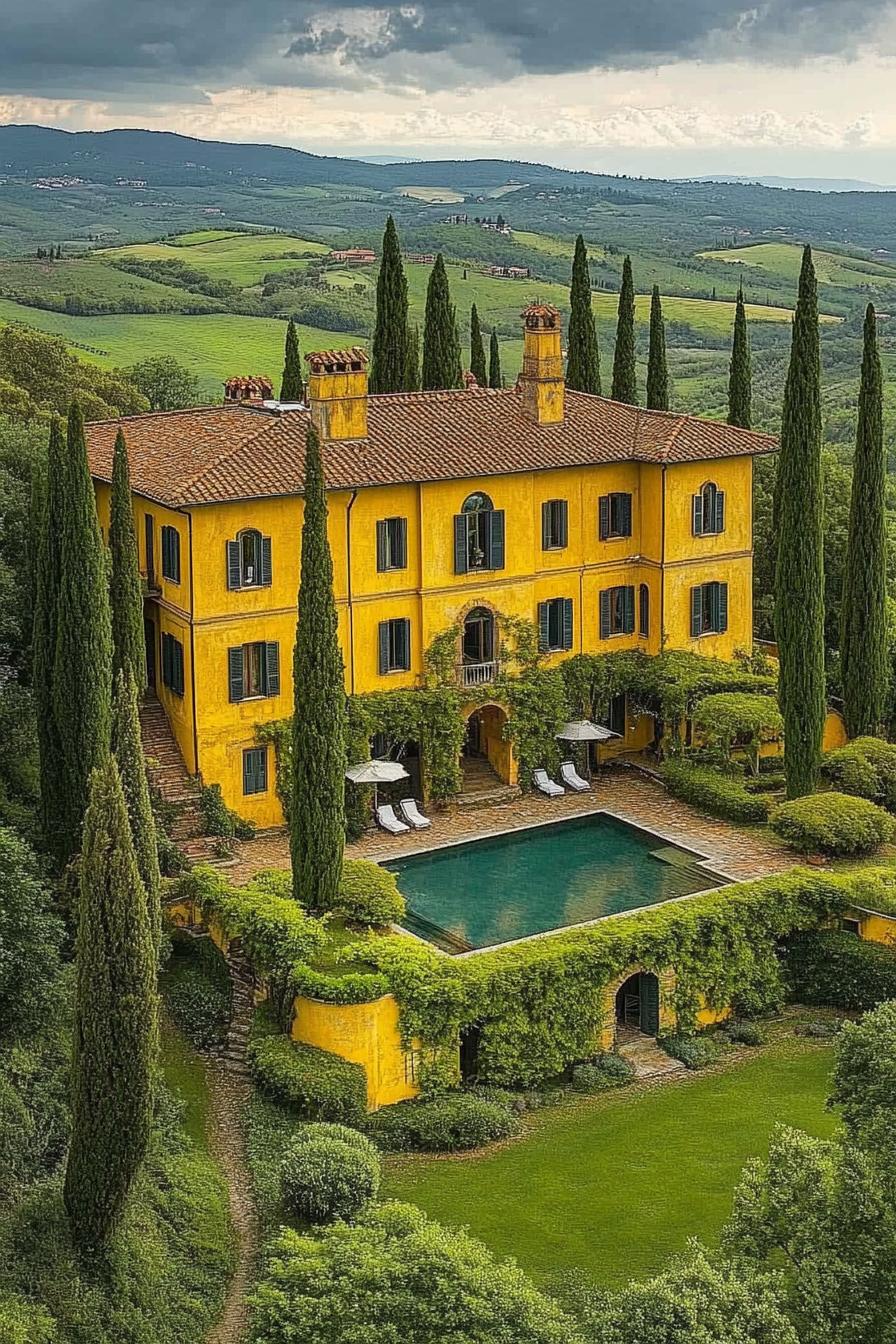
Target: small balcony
478, 674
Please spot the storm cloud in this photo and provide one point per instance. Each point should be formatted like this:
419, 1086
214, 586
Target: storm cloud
67, 48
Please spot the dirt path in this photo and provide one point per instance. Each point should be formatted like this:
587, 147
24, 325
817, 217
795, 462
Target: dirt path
229, 1094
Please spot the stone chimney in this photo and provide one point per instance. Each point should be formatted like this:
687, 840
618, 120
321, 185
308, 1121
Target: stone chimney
248, 389
541, 380
337, 393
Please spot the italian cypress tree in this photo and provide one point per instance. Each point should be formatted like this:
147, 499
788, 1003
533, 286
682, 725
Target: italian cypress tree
127, 748
46, 600
863, 640
441, 344
583, 357
494, 362
657, 374
477, 350
317, 810
740, 378
625, 386
125, 591
82, 661
115, 1020
799, 575
412, 361
390, 332
292, 386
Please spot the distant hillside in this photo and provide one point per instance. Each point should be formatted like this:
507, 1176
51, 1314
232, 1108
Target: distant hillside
797, 183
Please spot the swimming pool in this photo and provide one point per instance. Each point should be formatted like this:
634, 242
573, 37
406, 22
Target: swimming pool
490, 891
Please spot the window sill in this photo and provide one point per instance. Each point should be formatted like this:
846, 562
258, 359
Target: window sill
392, 569
394, 671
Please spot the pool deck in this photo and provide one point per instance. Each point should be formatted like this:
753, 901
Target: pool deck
735, 852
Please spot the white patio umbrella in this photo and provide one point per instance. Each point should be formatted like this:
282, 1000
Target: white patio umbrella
375, 773
583, 730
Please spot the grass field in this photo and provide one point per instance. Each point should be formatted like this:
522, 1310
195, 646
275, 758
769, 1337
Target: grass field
87, 277
617, 1184
432, 195
784, 259
243, 258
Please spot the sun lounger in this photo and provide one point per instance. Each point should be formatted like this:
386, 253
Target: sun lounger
547, 785
412, 814
572, 779
385, 815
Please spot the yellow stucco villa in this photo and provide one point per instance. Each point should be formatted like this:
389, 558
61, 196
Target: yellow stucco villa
610, 526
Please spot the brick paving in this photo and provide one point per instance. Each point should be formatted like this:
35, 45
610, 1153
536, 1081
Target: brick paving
735, 852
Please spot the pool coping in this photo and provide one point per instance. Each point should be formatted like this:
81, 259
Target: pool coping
703, 861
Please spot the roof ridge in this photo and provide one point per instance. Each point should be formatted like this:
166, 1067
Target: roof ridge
181, 410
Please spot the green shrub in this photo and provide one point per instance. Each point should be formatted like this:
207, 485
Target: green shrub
219, 819
695, 1052
326, 1176
745, 1033
198, 992
447, 1124
873, 889
602, 1074
841, 970
769, 781
719, 794
835, 823
739, 720
352, 987
820, 1029
23, 1322
369, 895
315, 1083
865, 767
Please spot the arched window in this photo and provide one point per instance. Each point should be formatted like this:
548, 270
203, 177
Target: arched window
249, 560
478, 642
478, 535
709, 510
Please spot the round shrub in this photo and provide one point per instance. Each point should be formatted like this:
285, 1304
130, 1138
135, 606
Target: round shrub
323, 1129
315, 1083
719, 794
865, 767
368, 894
695, 1052
602, 1074
745, 1033
835, 823
447, 1124
325, 1177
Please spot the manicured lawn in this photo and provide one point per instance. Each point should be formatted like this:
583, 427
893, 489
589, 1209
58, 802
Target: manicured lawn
184, 1073
617, 1184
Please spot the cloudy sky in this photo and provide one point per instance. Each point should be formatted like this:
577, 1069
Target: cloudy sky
671, 87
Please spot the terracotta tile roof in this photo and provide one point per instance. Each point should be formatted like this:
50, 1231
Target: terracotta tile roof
219, 453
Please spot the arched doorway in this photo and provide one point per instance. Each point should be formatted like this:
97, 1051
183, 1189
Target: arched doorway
638, 1004
487, 756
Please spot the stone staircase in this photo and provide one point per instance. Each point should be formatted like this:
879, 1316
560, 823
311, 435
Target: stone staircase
481, 786
647, 1059
242, 980
179, 789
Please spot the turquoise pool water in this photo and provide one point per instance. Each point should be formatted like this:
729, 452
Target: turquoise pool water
509, 886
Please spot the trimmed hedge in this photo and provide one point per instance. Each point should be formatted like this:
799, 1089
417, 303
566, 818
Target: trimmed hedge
315, 1083
448, 1124
719, 794
328, 1175
835, 823
353, 987
368, 894
839, 970
865, 767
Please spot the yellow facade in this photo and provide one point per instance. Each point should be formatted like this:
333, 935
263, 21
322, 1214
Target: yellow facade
365, 1034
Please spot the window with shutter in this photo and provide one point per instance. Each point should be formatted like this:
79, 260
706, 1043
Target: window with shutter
709, 510
709, 609
272, 668
496, 539
615, 516
567, 623
172, 664
255, 770
697, 515
394, 641
554, 524
617, 611
171, 554
233, 565
391, 544
235, 673
605, 597
555, 624
696, 611
460, 544
544, 626
266, 567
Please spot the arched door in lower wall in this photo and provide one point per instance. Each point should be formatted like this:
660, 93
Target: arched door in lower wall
638, 1003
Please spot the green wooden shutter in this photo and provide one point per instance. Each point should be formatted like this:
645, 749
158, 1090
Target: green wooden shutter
178, 651
272, 668
404, 644
234, 570
166, 660
696, 612
603, 516
383, 633
625, 520
722, 607
401, 561
382, 544
697, 514
496, 539
266, 569
628, 608
543, 626
567, 622
460, 543
649, 995
235, 673
546, 525
720, 511
563, 510
605, 598
644, 611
